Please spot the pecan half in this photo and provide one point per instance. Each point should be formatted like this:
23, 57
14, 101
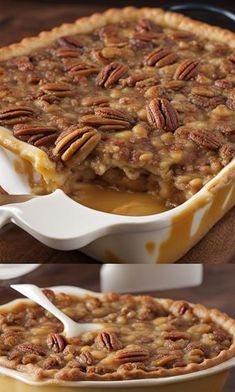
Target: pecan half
187, 70
75, 145
162, 114
227, 151
114, 114
108, 119
108, 341
205, 138
56, 342
60, 90
182, 35
125, 356
144, 25
30, 348
67, 52
174, 335
164, 360
93, 303
38, 135
17, 114
23, 63
111, 74
161, 57
70, 40
81, 69
86, 359
146, 36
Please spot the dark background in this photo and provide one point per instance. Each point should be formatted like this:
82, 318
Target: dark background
217, 290
20, 18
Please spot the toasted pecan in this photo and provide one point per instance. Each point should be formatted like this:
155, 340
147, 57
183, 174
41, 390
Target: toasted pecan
187, 69
138, 355
76, 144
108, 341
111, 74
161, 57
56, 342
162, 114
205, 138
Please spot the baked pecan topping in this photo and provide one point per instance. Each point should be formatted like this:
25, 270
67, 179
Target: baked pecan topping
30, 348
161, 114
70, 40
108, 119
56, 342
86, 359
108, 341
60, 90
205, 138
187, 70
161, 57
125, 356
38, 135
80, 69
111, 74
16, 114
76, 144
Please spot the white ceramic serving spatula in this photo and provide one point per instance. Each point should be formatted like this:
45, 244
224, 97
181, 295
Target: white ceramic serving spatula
71, 327
55, 220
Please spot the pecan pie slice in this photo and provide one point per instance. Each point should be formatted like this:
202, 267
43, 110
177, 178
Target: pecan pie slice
126, 100
142, 337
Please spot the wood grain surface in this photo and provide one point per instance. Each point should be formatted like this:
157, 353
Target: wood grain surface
217, 290
24, 18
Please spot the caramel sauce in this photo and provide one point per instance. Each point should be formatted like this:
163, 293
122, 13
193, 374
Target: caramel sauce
150, 247
117, 202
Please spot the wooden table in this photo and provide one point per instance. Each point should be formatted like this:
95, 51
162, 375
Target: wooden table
24, 18
217, 290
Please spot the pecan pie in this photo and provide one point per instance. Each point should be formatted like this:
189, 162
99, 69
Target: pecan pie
134, 99
142, 337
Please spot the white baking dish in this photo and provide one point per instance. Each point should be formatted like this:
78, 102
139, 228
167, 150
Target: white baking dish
61, 223
209, 380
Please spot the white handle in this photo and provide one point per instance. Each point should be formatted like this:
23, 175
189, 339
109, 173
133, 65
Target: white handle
35, 294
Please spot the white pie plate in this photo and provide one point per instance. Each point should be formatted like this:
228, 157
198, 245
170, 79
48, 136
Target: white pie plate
209, 380
61, 223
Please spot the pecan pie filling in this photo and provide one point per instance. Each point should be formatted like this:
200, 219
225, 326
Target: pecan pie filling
132, 106
142, 337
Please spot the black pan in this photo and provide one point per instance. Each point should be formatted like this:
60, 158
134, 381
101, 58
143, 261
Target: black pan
206, 13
